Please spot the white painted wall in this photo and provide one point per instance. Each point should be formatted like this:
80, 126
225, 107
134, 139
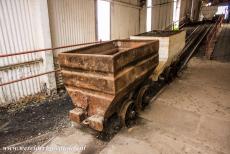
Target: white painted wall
24, 25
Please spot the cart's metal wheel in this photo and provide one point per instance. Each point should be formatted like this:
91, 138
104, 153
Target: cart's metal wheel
143, 98
127, 113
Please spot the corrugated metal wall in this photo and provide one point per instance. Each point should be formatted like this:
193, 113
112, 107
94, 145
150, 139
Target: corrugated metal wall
195, 9
125, 18
182, 9
143, 19
19, 30
162, 13
185, 8
71, 22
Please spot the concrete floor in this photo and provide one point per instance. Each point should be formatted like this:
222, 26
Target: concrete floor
191, 115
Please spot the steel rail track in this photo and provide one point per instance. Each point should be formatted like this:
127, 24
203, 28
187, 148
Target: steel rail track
192, 43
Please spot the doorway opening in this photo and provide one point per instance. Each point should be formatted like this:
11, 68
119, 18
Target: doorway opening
149, 16
103, 20
176, 14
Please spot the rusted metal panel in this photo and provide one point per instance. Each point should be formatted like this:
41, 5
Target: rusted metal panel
97, 77
106, 83
89, 80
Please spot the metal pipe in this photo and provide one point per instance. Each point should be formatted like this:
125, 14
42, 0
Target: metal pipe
29, 77
47, 49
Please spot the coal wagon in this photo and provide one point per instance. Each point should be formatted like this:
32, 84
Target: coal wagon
171, 44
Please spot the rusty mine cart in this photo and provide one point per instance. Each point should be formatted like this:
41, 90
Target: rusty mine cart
107, 78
